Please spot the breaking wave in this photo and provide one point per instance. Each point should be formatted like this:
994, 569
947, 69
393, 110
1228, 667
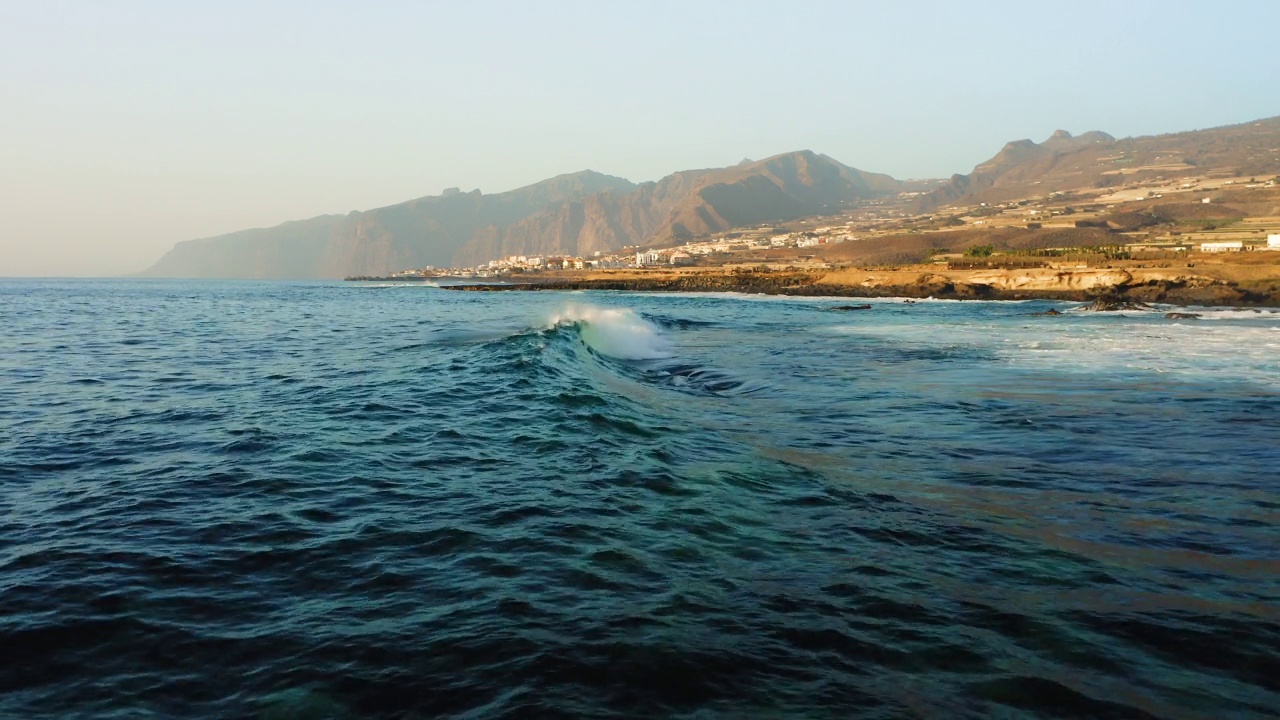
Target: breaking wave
616, 332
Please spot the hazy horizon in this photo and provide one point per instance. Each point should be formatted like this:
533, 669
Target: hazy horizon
132, 127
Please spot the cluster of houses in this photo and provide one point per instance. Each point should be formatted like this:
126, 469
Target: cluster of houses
742, 242
535, 262
1273, 243
688, 254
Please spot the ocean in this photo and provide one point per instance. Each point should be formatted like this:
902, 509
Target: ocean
343, 500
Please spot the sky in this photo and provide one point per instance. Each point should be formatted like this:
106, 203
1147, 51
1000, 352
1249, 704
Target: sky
128, 126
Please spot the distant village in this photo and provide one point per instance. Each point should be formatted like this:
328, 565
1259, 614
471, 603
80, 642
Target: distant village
691, 253
878, 218
1094, 208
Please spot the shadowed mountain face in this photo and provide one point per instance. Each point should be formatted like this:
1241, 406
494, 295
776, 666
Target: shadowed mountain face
426, 231
573, 214
1095, 159
601, 221
780, 188
684, 205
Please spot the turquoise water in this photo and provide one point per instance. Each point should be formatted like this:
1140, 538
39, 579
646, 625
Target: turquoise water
309, 500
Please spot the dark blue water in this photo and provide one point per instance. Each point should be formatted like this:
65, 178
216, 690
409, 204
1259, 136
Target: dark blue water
326, 500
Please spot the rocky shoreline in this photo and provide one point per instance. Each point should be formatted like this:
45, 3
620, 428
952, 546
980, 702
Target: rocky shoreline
1083, 286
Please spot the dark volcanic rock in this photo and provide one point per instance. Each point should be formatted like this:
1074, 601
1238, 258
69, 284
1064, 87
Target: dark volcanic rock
1216, 294
809, 283
974, 291
1113, 303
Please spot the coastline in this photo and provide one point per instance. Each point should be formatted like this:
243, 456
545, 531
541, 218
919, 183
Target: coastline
1256, 285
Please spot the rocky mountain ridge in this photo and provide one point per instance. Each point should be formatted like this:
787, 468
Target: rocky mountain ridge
1095, 159
575, 214
425, 231
580, 213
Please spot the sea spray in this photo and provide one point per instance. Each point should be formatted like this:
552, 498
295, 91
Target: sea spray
617, 332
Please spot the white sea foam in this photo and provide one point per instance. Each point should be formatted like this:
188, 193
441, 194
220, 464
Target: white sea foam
1108, 344
616, 332
1236, 313
413, 284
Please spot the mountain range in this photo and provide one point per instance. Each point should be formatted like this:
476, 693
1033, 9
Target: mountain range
580, 213
575, 215
1096, 160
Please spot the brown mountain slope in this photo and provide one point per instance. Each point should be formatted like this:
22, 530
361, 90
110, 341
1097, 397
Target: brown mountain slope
1023, 168
574, 214
917, 247
780, 188
603, 221
684, 205
426, 231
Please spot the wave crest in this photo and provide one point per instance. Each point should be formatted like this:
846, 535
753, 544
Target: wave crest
616, 332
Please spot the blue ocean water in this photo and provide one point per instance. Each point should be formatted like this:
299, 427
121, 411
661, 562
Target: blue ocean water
327, 500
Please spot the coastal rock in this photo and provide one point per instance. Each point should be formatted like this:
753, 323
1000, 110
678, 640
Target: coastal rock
1147, 286
1217, 294
929, 285
1182, 316
932, 280
1153, 291
1052, 280
851, 307
973, 291
1113, 303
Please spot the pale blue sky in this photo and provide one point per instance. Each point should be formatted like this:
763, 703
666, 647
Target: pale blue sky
127, 126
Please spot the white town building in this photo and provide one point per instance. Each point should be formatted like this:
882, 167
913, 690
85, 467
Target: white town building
1224, 246
648, 257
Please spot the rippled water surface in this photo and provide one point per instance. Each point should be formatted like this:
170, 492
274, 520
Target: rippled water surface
274, 500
